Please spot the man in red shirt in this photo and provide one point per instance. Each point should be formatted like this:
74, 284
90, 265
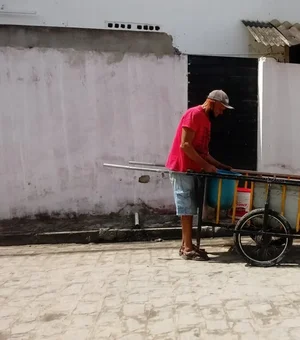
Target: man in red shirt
190, 151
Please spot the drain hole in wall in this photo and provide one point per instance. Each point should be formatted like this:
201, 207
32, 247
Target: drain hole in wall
144, 179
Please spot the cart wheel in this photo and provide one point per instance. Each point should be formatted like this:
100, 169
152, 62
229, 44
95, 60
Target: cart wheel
262, 250
278, 241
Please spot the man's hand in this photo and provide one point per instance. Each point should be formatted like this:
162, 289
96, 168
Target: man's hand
218, 164
224, 167
210, 168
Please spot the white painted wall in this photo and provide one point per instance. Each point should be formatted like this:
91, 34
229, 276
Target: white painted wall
279, 117
198, 27
63, 113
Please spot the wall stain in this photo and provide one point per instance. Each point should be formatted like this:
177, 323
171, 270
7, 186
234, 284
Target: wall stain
48, 77
34, 75
285, 167
76, 59
114, 58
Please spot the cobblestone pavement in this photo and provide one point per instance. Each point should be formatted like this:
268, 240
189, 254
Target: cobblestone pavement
143, 291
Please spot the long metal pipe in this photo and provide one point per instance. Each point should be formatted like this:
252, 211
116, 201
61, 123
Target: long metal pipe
256, 177
266, 174
241, 171
147, 164
128, 167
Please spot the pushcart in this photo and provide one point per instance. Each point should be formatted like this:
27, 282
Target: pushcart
264, 235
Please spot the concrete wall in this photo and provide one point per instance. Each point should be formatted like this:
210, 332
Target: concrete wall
66, 111
198, 27
279, 117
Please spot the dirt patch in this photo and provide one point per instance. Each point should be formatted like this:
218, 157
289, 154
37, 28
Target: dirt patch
48, 224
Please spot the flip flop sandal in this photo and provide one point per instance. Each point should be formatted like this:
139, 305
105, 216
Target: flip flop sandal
194, 256
195, 248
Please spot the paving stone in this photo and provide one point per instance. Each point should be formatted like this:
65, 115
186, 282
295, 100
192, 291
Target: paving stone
263, 310
159, 327
5, 323
189, 319
218, 325
239, 313
222, 335
134, 325
213, 313
132, 310
137, 298
22, 328
132, 292
75, 333
8, 311
192, 334
88, 308
243, 327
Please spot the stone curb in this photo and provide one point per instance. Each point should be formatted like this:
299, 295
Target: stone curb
105, 235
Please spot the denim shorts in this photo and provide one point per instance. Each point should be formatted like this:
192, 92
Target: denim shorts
184, 194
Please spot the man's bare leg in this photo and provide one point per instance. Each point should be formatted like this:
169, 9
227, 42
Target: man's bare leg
188, 251
182, 241
187, 227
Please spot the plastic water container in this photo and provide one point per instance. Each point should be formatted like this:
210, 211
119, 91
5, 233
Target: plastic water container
243, 201
228, 188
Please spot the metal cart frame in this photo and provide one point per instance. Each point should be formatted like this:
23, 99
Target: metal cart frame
270, 231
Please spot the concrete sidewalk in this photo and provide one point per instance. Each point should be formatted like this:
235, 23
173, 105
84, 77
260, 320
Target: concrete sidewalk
144, 291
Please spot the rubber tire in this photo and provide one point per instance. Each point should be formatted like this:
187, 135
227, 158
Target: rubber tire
252, 214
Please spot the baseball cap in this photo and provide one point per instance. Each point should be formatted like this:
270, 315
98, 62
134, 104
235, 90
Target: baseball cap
220, 96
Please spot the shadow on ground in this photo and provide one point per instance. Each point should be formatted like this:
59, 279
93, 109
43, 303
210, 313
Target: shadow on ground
291, 259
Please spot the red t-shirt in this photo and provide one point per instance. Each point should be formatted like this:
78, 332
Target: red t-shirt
195, 119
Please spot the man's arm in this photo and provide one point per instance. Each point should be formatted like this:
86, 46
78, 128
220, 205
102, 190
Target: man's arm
186, 145
217, 164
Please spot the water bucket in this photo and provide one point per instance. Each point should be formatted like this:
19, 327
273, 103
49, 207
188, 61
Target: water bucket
242, 202
228, 189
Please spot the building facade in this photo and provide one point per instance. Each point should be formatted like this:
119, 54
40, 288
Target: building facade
104, 81
196, 27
